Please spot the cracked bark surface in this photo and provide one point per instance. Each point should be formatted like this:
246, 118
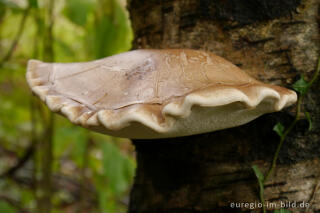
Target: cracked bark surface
273, 41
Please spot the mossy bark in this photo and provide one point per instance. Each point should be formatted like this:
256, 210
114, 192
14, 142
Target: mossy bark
275, 42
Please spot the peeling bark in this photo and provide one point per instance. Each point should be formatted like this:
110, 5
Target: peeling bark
273, 41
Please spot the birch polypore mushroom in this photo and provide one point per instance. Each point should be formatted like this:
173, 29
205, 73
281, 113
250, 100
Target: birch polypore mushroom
155, 93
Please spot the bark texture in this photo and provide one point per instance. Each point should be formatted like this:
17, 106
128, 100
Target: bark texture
273, 40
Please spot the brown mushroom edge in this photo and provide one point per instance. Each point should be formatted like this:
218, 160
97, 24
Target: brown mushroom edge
208, 109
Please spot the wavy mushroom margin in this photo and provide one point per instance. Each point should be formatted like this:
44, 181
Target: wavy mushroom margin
209, 109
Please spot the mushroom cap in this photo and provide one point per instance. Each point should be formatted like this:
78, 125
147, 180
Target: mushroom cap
155, 93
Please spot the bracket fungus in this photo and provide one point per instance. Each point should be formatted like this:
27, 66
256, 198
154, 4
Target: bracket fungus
145, 94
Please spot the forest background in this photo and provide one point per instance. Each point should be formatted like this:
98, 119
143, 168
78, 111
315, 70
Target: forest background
46, 163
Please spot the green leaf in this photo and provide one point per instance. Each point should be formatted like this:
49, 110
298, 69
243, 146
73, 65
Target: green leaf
70, 140
279, 129
281, 211
113, 165
64, 47
33, 3
78, 10
258, 173
260, 178
307, 114
301, 86
112, 30
106, 203
6, 208
114, 175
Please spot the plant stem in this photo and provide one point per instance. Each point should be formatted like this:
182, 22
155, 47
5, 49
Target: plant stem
83, 181
45, 183
282, 139
15, 42
285, 134
48, 54
293, 123
261, 195
315, 76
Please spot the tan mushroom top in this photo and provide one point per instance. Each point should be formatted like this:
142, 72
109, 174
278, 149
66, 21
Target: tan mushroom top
155, 93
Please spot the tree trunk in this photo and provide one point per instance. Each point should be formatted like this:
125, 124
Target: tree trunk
274, 41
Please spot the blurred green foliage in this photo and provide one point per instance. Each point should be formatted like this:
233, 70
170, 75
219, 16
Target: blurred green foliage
5, 207
91, 172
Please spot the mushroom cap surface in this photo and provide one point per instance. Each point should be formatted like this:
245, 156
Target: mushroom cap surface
155, 93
